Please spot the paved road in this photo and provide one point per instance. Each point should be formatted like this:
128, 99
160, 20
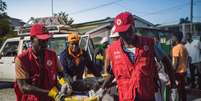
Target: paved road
194, 95
7, 94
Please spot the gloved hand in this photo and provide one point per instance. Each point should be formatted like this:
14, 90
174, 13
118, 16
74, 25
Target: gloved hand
66, 89
56, 95
91, 93
59, 97
100, 92
65, 86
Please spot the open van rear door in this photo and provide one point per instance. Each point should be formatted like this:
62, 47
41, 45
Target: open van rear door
87, 44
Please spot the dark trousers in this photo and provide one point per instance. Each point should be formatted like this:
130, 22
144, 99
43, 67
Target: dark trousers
138, 99
180, 77
192, 71
199, 74
193, 68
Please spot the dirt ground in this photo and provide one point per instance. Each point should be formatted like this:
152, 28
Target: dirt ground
8, 94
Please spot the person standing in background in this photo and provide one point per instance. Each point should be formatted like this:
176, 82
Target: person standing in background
180, 63
194, 48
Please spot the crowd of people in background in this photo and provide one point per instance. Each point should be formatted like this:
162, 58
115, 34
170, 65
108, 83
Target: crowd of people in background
137, 66
185, 56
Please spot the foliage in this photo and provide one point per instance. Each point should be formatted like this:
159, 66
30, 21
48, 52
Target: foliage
5, 29
184, 20
4, 24
3, 6
65, 17
4, 37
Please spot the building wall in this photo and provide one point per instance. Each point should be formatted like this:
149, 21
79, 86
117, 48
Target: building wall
185, 28
141, 24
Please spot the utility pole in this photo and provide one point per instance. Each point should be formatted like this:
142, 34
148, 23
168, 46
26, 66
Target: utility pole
52, 7
191, 17
191, 11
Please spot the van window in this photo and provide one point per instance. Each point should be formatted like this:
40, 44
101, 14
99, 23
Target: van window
57, 44
83, 42
10, 49
26, 44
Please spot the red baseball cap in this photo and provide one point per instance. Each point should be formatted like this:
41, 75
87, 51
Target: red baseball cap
123, 22
39, 31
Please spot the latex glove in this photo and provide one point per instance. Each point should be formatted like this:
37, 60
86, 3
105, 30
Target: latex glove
66, 89
100, 92
92, 93
60, 97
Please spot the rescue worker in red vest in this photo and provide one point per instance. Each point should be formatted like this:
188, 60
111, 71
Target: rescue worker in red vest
37, 70
75, 60
133, 64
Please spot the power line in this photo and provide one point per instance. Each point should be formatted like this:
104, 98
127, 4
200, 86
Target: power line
115, 2
93, 8
178, 7
124, 7
168, 9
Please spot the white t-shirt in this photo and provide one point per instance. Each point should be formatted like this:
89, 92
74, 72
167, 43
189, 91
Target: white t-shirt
193, 49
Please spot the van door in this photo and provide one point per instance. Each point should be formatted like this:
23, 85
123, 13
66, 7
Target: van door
7, 67
87, 44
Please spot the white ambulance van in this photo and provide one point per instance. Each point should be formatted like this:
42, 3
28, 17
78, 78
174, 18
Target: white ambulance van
14, 46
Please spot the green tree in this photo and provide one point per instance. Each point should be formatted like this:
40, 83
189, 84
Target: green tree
4, 19
4, 24
184, 20
3, 6
5, 29
65, 17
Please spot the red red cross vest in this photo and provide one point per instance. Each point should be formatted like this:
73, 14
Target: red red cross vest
39, 76
138, 78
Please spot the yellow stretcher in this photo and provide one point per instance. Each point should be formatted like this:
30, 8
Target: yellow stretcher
54, 92
81, 98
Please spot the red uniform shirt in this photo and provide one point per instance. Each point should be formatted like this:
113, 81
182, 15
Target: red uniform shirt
138, 78
43, 76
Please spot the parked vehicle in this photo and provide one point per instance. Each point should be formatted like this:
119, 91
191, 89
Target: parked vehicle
13, 46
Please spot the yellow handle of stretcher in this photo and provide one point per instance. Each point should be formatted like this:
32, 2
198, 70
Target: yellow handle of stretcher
53, 92
75, 98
